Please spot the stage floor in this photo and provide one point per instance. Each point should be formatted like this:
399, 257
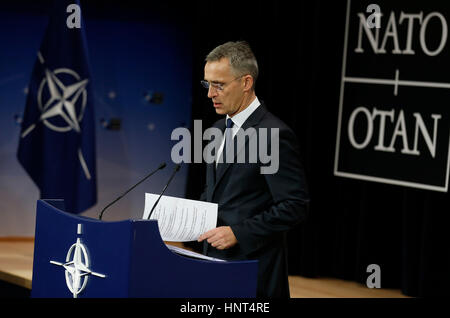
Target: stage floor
16, 267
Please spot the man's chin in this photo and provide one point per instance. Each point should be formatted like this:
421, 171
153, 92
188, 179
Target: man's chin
220, 111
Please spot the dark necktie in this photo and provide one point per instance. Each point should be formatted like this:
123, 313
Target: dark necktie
228, 139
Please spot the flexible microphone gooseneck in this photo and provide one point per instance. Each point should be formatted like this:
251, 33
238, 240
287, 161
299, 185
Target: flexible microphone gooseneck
161, 166
177, 167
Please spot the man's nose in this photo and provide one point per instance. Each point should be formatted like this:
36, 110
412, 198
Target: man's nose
212, 92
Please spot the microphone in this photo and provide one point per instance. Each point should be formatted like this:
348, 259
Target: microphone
177, 167
161, 166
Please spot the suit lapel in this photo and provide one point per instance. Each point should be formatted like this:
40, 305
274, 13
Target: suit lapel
211, 173
252, 121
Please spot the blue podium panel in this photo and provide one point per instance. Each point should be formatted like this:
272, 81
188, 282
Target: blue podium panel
76, 256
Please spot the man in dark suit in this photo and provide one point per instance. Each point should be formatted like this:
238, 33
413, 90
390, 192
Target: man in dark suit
255, 207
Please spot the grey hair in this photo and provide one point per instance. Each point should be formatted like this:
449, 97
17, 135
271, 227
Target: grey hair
242, 60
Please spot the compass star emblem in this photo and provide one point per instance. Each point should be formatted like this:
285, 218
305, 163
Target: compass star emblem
76, 267
61, 93
61, 99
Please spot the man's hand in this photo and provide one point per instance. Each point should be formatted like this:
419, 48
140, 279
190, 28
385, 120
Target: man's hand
221, 237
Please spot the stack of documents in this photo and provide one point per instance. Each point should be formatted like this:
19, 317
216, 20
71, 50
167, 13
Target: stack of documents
181, 220
188, 253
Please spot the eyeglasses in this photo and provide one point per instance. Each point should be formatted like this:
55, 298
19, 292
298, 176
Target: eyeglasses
217, 86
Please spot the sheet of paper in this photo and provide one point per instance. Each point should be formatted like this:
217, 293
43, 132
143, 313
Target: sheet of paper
181, 220
188, 253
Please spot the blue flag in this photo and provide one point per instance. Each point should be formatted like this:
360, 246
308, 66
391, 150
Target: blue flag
57, 139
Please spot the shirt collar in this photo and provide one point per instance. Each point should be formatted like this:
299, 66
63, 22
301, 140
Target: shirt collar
240, 118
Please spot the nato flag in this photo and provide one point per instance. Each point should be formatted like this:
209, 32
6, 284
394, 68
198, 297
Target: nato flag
57, 139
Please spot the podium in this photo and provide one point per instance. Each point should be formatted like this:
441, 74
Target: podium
76, 256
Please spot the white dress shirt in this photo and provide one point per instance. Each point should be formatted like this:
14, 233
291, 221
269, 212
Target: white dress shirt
238, 120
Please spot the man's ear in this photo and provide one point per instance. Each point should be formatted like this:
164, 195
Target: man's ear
248, 82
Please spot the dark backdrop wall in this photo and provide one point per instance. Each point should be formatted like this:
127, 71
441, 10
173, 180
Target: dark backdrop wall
351, 224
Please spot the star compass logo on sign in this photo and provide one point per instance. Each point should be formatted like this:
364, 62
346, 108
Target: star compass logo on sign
76, 267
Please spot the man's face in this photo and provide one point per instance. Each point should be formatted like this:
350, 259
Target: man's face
227, 101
